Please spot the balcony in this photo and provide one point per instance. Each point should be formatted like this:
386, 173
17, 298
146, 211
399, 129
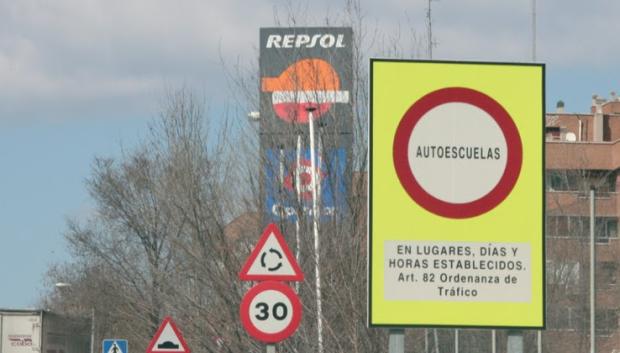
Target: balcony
582, 155
578, 203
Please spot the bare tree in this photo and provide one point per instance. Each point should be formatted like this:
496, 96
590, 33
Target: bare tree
166, 237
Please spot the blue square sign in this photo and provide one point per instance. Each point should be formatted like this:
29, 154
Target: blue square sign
114, 345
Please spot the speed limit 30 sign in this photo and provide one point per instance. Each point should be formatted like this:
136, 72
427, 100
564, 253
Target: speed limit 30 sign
270, 311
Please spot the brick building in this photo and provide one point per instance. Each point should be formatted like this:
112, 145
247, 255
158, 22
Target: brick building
582, 151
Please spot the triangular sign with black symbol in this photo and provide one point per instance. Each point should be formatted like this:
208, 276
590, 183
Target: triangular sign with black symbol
168, 339
271, 259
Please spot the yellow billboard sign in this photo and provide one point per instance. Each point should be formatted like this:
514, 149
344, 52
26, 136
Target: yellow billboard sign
456, 194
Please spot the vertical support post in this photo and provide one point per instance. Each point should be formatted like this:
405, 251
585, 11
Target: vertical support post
456, 340
539, 341
425, 340
396, 340
298, 192
515, 341
281, 159
92, 330
592, 273
315, 227
270, 348
493, 341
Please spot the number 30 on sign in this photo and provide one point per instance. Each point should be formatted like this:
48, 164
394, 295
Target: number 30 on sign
270, 311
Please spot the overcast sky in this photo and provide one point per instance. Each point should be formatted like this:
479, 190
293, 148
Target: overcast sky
80, 78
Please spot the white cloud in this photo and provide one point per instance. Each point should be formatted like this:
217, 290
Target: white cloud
79, 53
67, 53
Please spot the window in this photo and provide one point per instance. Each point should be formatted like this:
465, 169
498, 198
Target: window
557, 226
606, 321
552, 133
579, 226
563, 272
580, 180
607, 274
566, 318
605, 228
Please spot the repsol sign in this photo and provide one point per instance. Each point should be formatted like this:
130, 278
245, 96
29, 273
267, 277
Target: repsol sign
325, 40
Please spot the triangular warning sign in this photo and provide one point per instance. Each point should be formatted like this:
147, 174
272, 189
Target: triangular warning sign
168, 339
271, 259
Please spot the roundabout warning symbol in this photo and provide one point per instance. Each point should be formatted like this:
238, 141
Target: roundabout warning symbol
457, 152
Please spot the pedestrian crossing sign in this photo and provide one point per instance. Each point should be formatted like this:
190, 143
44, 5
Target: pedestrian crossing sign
114, 345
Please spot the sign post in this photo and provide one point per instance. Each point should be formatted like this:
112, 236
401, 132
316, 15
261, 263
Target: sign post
456, 194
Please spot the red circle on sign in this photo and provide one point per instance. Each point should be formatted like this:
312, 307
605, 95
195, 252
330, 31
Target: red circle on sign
514, 155
245, 309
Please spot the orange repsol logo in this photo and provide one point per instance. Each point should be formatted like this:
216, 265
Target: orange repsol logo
305, 41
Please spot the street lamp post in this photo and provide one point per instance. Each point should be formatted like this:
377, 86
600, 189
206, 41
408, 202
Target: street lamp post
315, 227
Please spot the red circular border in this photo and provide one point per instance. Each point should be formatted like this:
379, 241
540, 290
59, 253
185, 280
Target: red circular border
252, 330
514, 156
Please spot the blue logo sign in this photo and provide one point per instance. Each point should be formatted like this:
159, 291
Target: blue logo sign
114, 345
288, 183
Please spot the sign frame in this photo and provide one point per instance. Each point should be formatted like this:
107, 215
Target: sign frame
372, 322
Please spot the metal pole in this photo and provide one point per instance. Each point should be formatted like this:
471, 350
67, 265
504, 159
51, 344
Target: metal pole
425, 340
592, 278
270, 348
396, 340
92, 330
456, 341
298, 191
539, 341
515, 342
315, 227
281, 180
493, 340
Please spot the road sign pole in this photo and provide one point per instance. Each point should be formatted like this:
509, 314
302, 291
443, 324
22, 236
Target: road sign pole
515, 341
456, 340
92, 330
270, 348
396, 340
315, 227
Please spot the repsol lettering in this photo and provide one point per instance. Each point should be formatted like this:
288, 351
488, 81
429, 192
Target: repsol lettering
305, 41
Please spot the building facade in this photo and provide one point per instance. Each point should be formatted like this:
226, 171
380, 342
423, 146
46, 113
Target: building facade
582, 152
